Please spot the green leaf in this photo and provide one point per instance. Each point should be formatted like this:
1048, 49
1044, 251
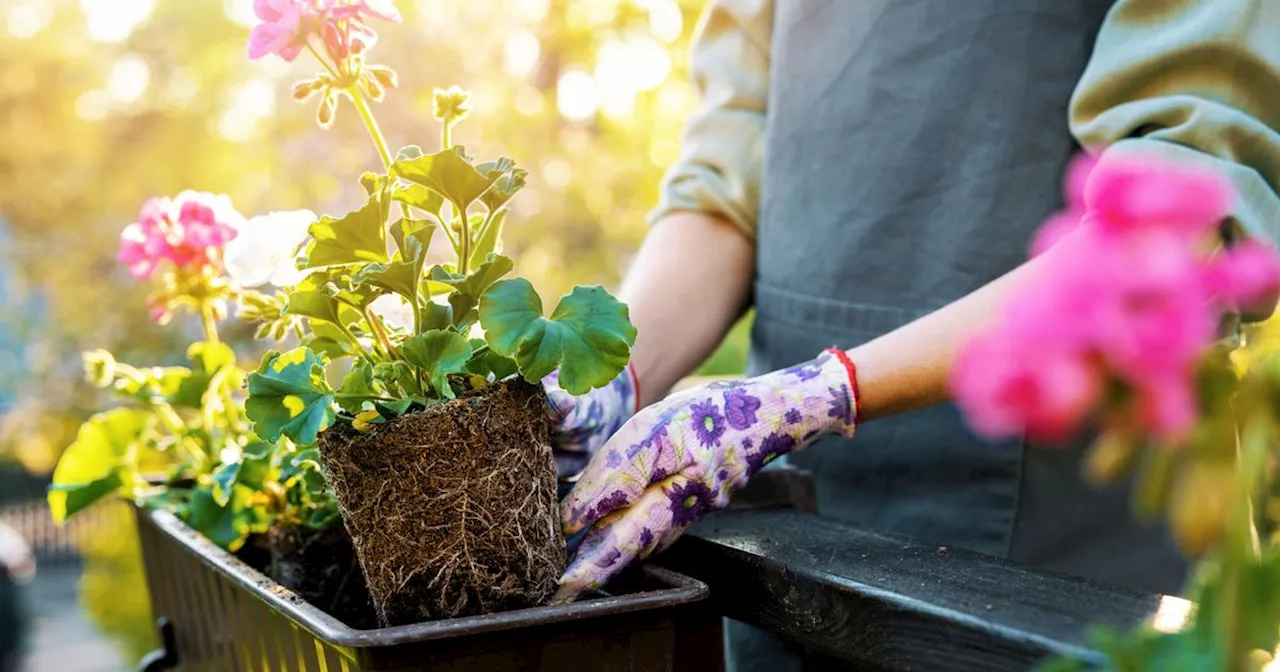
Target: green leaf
588, 336
98, 453
464, 310
299, 463
1261, 620
288, 395
357, 237
398, 407
397, 375
484, 276
486, 362
439, 353
507, 180
470, 288
435, 316
445, 173
406, 231
207, 359
402, 274
223, 478
227, 525
328, 340
76, 497
358, 381
488, 238
409, 152
256, 466
420, 197
152, 384
315, 305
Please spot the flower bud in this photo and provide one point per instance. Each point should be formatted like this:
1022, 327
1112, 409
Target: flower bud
452, 104
1200, 503
327, 111
375, 89
1109, 456
99, 368
385, 76
303, 91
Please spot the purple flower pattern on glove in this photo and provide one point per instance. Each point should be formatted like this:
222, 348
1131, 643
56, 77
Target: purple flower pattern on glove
582, 424
682, 457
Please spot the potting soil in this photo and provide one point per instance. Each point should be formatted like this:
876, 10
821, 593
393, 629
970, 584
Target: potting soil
453, 509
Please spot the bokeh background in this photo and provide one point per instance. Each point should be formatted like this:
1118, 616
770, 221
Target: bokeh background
105, 103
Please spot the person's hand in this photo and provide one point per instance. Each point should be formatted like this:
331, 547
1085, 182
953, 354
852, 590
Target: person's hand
682, 457
582, 424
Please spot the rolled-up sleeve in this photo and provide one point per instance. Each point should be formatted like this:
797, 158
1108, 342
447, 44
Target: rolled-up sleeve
718, 170
1196, 81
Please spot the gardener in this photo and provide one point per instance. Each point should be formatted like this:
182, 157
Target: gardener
868, 174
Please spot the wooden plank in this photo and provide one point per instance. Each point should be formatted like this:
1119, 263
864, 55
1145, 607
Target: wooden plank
889, 604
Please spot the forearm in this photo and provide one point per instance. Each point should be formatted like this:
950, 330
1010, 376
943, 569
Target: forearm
690, 282
909, 368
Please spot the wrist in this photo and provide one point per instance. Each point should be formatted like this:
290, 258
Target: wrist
827, 387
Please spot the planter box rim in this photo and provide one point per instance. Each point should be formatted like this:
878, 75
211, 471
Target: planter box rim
680, 589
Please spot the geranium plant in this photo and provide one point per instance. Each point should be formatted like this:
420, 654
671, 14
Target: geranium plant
466, 335
1120, 334
180, 440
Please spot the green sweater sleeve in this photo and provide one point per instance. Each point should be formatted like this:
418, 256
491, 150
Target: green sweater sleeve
722, 152
1195, 81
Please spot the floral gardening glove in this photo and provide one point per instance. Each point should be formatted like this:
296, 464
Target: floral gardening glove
582, 424
682, 457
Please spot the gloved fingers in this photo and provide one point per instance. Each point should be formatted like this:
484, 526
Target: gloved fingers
610, 482
619, 538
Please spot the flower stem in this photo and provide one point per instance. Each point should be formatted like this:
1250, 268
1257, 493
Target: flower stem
464, 245
346, 331
1240, 548
327, 66
209, 321
366, 115
380, 333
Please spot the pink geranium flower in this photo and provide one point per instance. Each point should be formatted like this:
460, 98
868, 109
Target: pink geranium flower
286, 26
1007, 387
187, 231
1246, 273
1145, 192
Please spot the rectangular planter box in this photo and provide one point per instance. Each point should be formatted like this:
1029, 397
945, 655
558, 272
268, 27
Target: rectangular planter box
217, 613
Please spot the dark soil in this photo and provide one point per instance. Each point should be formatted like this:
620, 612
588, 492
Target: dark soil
320, 566
453, 509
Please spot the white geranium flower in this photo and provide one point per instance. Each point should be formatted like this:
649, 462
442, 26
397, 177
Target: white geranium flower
264, 251
394, 311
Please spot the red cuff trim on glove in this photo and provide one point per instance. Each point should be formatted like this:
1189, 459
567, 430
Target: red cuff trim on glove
852, 370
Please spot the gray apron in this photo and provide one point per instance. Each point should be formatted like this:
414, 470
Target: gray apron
912, 147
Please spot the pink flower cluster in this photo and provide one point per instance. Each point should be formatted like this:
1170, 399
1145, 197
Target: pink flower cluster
289, 25
1129, 290
189, 231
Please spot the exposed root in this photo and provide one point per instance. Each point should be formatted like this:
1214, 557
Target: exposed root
453, 510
